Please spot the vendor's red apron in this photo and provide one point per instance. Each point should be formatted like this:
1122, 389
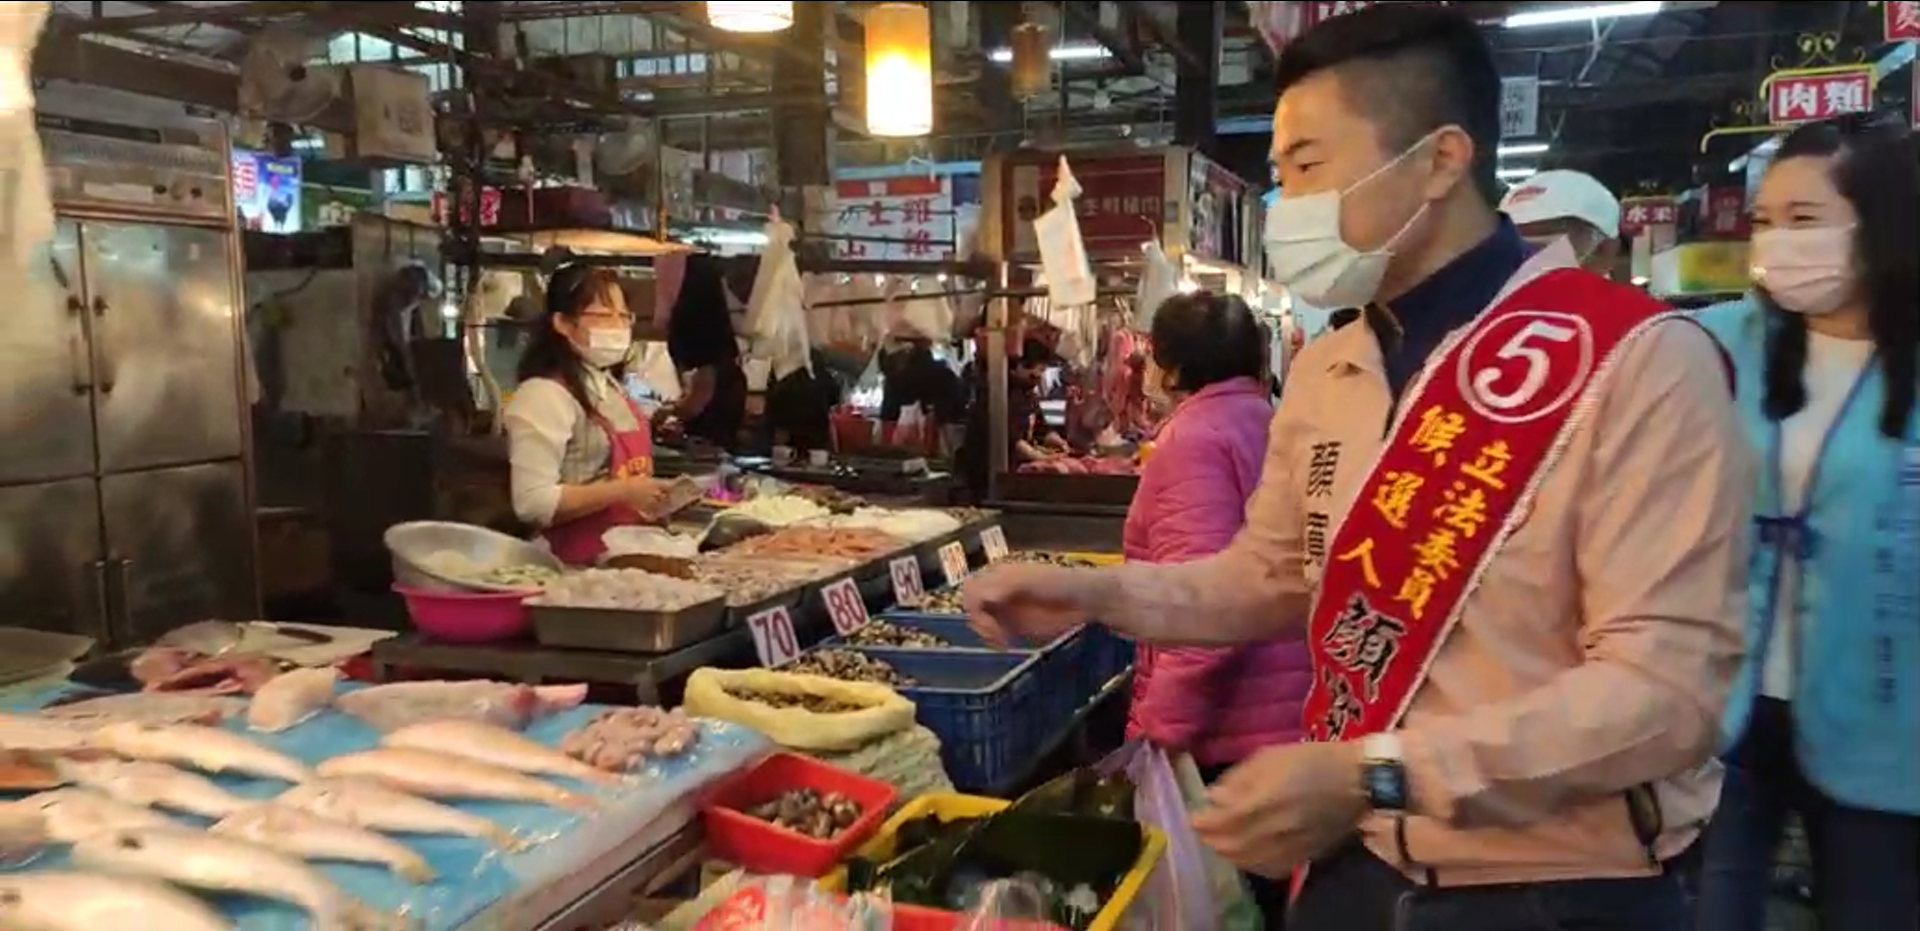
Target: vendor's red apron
1475, 436
577, 542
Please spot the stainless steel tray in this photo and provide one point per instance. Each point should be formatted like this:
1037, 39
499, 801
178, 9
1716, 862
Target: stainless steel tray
26, 653
620, 631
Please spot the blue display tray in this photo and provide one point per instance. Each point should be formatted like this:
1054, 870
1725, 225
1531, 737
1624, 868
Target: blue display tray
472, 876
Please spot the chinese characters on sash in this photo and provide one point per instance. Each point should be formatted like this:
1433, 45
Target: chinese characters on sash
1452, 476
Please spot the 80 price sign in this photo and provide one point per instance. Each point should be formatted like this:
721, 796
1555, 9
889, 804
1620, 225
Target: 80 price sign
845, 607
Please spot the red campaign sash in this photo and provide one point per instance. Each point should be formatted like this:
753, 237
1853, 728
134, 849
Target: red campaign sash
1474, 438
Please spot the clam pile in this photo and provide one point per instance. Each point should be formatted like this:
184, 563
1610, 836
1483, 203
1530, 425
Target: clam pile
850, 666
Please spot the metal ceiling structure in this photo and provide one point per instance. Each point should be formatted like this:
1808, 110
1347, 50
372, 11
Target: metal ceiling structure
1626, 99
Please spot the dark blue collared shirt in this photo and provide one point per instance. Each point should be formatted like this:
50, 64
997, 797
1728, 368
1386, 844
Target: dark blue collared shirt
1412, 325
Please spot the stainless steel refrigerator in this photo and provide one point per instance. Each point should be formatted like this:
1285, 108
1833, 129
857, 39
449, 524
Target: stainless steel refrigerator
125, 492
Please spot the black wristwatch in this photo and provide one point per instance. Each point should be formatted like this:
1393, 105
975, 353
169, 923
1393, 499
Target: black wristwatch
1383, 773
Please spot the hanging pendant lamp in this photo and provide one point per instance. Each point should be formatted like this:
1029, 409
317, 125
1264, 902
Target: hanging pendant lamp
899, 70
750, 15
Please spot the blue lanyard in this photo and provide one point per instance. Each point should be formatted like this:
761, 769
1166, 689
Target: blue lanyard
1791, 534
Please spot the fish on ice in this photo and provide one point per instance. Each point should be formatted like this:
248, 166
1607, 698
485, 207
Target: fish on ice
301, 833
71, 814
439, 775
291, 698
34, 732
153, 785
224, 864
488, 743
208, 749
376, 806
68, 901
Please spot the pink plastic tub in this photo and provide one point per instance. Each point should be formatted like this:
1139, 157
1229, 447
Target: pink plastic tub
468, 617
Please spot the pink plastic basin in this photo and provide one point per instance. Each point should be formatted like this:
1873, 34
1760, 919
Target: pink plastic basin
467, 617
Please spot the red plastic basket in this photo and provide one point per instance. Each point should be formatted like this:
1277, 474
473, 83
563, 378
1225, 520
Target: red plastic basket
759, 847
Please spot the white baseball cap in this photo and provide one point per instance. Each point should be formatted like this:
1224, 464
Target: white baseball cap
1563, 195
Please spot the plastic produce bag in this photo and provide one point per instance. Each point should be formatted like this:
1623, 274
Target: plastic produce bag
1008, 905
1194, 887
656, 370
1064, 264
1159, 280
396, 705
786, 903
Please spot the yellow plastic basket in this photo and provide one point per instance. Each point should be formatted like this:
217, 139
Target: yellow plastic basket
953, 806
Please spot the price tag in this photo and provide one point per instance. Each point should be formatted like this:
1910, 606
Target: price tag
845, 606
993, 541
953, 563
907, 587
773, 637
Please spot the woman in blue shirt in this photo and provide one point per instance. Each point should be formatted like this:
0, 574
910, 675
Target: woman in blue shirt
1824, 721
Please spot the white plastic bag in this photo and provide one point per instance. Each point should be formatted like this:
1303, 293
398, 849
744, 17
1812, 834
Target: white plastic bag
776, 310
1159, 280
1064, 265
656, 370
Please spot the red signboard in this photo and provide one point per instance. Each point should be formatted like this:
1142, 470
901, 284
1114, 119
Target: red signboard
1320, 11
1726, 213
1122, 202
1805, 96
1902, 20
1638, 213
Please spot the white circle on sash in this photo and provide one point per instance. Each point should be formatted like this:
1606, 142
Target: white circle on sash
1505, 371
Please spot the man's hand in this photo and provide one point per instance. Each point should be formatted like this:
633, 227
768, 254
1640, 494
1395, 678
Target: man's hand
1011, 602
1284, 806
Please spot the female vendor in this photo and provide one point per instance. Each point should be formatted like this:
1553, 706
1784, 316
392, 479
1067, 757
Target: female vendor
580, 449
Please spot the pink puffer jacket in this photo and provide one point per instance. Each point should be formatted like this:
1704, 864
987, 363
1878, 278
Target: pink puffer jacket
1220, 704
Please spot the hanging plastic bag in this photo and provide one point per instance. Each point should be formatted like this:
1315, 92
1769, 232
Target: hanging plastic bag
776, 310
1009, 905
1064, 265
909, 429
1159, 280
1194, 888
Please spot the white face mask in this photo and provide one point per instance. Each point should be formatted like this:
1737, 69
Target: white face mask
1807, 270
606, 348
1311, 258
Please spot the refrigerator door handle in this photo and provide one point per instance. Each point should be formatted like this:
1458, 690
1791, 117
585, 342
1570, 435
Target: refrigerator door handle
109, 366
123, 576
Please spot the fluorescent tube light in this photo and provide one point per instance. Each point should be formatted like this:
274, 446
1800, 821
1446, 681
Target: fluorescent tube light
1559, 15
1059, 53
1522, 148
1515, 174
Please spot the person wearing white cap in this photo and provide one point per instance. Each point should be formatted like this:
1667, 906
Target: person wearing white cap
1552, 204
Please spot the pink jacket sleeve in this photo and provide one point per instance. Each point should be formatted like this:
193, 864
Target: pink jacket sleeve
1198, 506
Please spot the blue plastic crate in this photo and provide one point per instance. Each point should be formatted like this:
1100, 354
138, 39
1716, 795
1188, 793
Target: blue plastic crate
980, 704
1061, 692
949, 627
1102, 655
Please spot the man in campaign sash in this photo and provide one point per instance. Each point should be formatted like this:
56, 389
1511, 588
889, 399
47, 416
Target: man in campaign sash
1510, 511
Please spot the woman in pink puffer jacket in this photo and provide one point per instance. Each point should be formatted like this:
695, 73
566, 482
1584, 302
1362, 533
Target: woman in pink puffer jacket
1219, 704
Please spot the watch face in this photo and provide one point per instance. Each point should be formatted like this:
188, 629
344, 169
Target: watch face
1386, 786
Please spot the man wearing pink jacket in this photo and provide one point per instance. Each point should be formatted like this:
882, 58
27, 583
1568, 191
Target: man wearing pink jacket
1509, 512
1219, 704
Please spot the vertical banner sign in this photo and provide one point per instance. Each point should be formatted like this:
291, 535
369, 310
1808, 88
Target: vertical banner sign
773, 637
266, 191
993, 542
1806, 95
953, 563
1519, 107
914, 216
908, 590
1902, 20
1727, 213
845, 607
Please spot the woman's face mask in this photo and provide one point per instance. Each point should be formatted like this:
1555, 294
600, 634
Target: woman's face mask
1806, 270
1314, 261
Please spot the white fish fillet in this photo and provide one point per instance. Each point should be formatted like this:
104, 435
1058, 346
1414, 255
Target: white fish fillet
72, 814
439, 775
223, 864
486, 743
376, 806
308, 836
291, 698
208, 749
62, 901
153, 785
33, 732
